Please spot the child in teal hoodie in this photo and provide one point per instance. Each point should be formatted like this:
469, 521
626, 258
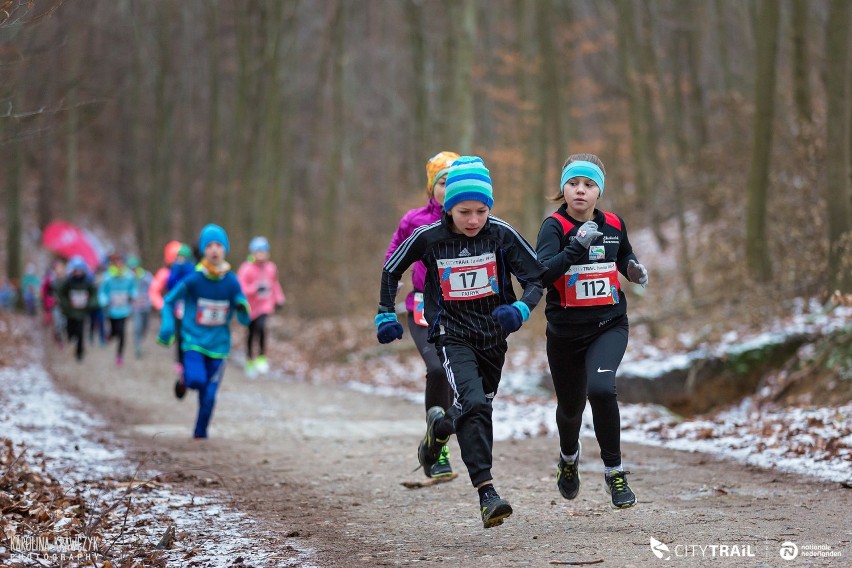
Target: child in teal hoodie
115, 296
211, 295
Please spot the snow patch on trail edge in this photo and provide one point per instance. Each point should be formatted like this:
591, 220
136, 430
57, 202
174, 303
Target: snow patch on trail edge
77, 448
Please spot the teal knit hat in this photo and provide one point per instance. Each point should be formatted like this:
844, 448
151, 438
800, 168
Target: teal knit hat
584, 169
468, 178
213, 234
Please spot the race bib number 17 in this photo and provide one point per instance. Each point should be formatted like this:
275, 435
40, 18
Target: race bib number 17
468, 278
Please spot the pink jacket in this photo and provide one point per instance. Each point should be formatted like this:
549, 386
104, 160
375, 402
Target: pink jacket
157, 290
410, 221
259, 281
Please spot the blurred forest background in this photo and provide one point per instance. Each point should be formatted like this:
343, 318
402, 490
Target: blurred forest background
723, 124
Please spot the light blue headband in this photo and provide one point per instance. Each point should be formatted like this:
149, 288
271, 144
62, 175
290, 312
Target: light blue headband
585, 169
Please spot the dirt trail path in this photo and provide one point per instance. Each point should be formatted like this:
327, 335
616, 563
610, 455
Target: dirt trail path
324, 465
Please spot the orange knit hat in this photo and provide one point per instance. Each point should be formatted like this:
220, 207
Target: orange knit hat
437, 167
170, 252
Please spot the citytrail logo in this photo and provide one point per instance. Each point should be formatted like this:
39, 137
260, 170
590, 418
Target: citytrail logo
663, 552
659, 549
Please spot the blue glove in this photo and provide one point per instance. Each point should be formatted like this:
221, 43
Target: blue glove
387, 328
166, 336
510, 317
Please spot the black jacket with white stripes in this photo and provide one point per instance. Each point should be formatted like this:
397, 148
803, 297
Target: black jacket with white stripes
469, 320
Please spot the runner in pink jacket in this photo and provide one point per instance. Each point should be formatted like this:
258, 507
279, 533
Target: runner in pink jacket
438, 392
258, 277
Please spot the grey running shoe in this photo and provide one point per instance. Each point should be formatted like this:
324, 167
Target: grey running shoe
494, 509
568, 476
616, 486
442, 467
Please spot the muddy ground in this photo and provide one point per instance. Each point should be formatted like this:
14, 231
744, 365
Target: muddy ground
324, 465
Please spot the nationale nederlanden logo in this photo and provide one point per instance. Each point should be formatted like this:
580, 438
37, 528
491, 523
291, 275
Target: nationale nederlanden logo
789, 550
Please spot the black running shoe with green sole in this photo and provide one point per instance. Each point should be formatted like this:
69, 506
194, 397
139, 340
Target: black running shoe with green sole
494, 509
568, 476
616, 486
430, 449
442, 467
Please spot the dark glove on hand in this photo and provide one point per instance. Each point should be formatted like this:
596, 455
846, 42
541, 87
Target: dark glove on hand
387, 327
389, 331
509, 317
587, 233
637, 273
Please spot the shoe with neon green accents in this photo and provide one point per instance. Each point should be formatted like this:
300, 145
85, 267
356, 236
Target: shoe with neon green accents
429, 449
494, 509
568, 476
442, 467
261, 364
251, 369
616, 486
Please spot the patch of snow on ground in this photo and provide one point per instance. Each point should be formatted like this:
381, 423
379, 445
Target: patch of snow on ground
78, 448
748, 433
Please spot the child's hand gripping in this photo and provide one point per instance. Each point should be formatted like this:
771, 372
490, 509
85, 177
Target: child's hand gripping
387, 327
511, 316
637, 273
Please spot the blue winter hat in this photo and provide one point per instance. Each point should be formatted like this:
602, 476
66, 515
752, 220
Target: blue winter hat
468, 178
584, 169
213, 234
77, 263
259, 244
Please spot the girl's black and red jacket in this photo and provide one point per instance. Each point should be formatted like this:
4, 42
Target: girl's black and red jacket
466, 278
558, 250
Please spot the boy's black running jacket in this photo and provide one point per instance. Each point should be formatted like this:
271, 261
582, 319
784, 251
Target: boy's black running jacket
558, 251
467, 319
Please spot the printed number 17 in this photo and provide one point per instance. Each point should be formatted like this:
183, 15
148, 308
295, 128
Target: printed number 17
464, 276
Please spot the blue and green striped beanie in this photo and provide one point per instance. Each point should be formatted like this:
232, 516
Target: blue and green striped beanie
584, 169
468, 178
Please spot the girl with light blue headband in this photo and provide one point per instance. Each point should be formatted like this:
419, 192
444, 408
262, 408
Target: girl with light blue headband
585, 250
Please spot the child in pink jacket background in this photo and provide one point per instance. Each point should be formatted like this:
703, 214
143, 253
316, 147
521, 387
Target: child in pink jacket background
258, 277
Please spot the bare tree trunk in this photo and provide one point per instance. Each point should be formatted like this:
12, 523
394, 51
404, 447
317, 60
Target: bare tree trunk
757, 253
421, 147
651, 141
159, 218
728, 80
694, 12
71, 132
14, 183
463, 30
627, 47
270, 176
332, 203
838, 194
550, 77
532, 129
801, 83
212, 193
